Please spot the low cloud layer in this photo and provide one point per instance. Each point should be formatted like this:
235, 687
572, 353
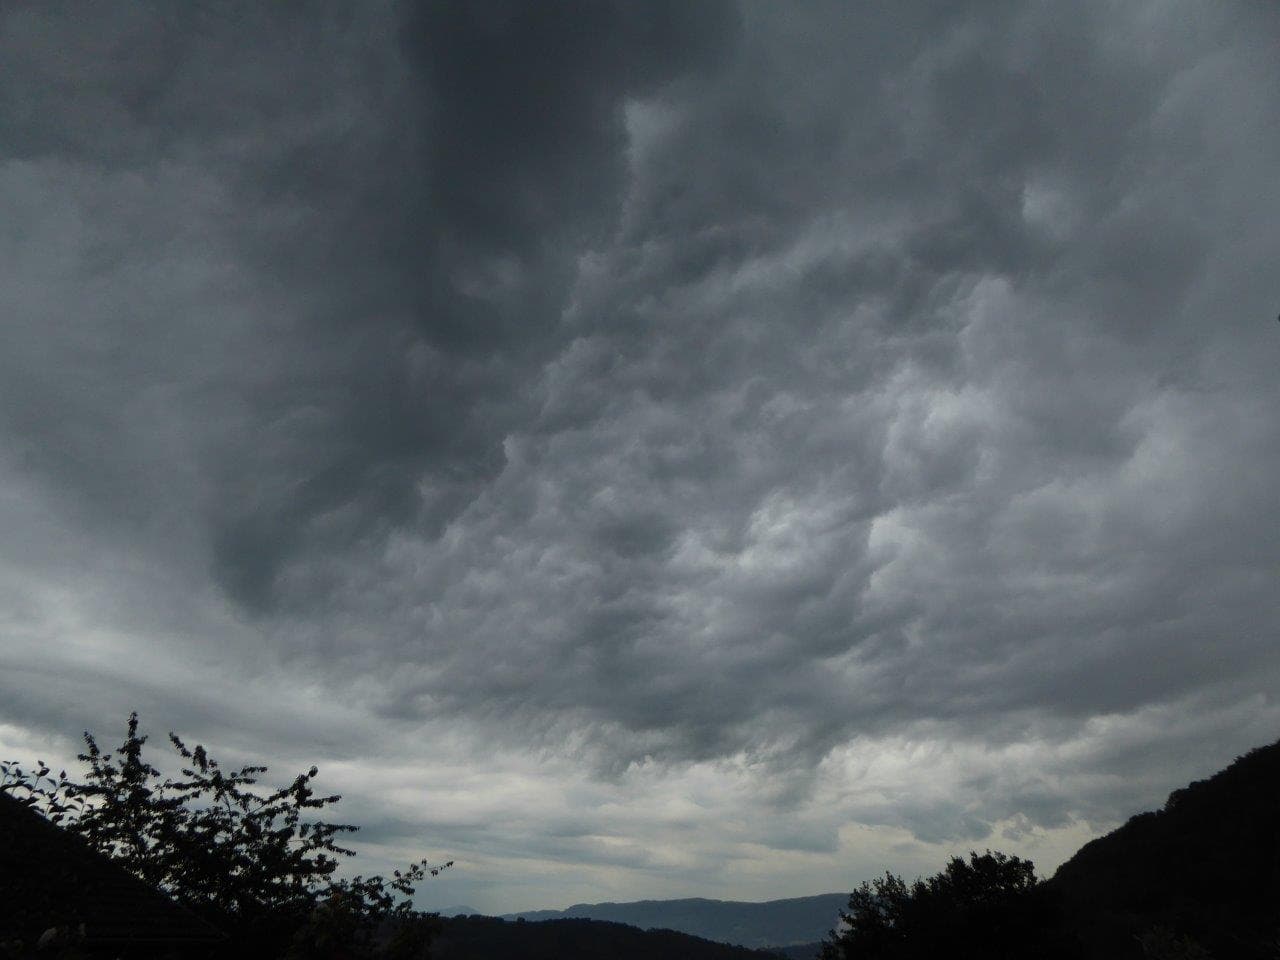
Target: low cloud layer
644, 451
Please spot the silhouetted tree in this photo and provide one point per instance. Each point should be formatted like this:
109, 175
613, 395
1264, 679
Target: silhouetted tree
252, 861
990, 907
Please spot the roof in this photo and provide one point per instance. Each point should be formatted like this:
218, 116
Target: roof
49, 877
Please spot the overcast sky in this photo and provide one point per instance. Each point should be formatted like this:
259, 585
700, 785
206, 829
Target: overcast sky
649, 449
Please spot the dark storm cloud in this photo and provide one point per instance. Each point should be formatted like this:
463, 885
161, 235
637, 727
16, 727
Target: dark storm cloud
991, 372
412, 186
874, 406
500, 155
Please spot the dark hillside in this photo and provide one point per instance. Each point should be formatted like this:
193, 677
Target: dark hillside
488, 938
50, 878
800, 951
1207, 866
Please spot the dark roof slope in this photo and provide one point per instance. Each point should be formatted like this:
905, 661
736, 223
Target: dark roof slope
51, 878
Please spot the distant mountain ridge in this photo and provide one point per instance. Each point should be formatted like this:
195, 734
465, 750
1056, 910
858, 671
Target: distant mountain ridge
1199, 877
458, 910
772, 923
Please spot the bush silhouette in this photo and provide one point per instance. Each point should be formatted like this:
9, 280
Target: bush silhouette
256, 863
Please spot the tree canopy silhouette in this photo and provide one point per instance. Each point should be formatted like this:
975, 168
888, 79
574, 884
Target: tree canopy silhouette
989, 907
259, 863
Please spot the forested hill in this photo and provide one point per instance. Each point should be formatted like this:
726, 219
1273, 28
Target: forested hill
1207, 866
767, 924
484, 938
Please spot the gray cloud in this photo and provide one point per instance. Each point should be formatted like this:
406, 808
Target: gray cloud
403, 213
849, 419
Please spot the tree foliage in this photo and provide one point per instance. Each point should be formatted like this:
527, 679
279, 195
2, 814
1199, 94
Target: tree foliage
1161, 943
259, 863
989, 907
